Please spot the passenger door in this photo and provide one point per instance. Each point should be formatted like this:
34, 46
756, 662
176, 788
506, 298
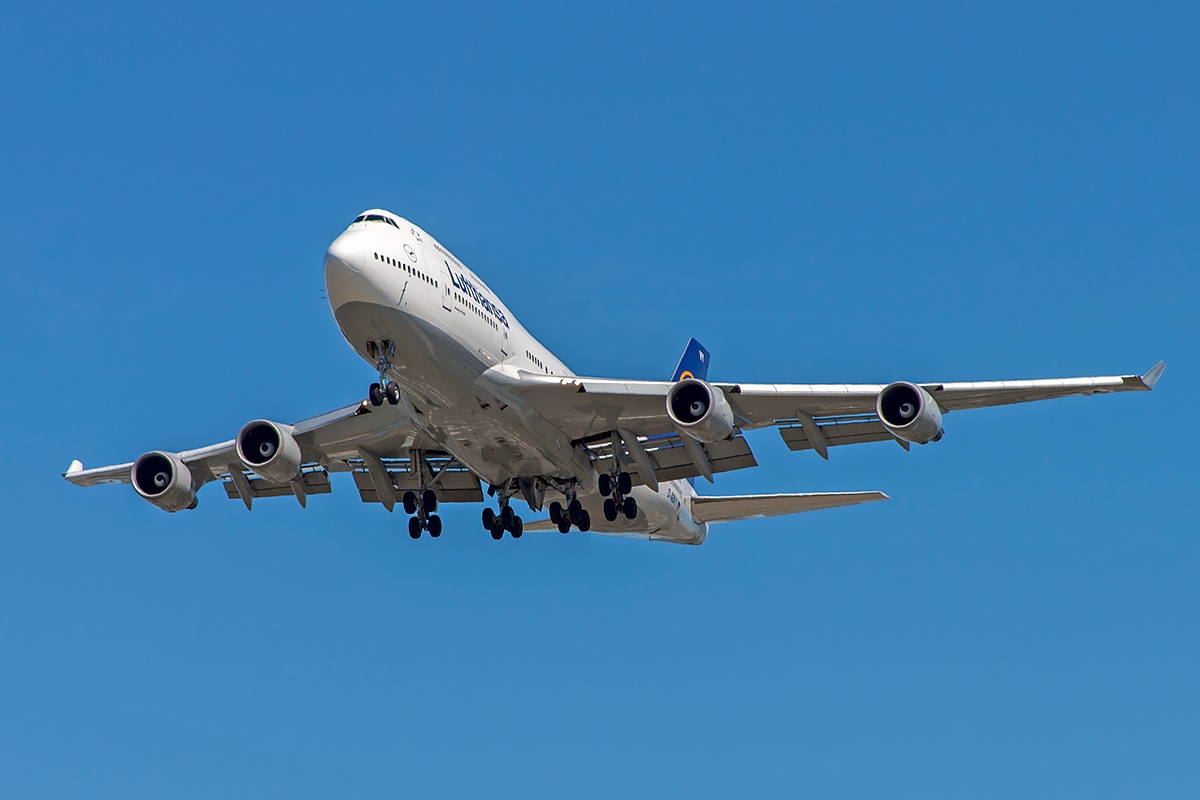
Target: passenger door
444, 283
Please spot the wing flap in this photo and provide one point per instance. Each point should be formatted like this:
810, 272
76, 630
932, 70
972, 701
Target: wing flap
315, 482
453, 483
669, 458
729, 509
837, 431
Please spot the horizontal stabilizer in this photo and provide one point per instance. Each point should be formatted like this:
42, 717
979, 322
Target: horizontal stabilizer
728, 509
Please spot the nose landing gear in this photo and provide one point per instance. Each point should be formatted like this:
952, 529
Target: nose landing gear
382, 352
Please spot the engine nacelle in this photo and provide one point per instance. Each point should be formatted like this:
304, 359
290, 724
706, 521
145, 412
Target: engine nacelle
909, 413
700, 410
164, 480
269, 450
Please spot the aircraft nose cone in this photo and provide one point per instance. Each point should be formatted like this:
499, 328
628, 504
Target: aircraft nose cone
344, 260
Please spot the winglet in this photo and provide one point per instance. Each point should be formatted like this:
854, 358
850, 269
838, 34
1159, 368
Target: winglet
76, 466
1151, 377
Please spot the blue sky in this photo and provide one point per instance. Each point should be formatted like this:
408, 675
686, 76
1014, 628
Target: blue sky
817, 192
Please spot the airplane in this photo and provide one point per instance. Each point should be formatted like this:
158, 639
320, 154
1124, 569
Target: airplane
466, 398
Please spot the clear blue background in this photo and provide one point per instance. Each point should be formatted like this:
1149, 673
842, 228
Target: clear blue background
818, 193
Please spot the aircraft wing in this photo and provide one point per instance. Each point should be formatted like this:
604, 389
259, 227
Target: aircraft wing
589, 407
373, 443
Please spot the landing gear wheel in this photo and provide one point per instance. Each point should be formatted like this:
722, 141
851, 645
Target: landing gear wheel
630, 508
585, 523
564, 526
556, 513
517, 528
429, 501
497, 532
393, 393
375, 394
575, 511
414, 527
489, 518
606, 486
435, 526
506, 518
410, 503
610, 510
624, 483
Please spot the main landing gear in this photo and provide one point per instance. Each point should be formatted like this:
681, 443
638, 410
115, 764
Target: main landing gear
423, 503
382, 352
620, 502
573, 515
506, 520
422, 506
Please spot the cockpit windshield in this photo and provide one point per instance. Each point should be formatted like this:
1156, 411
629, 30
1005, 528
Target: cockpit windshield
375, 218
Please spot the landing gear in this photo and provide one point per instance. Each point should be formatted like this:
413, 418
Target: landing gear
573, 515
621, 502
382, 352
630, 508
421, 504
506, 520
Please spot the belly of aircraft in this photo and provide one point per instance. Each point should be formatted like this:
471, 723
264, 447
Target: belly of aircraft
441, 375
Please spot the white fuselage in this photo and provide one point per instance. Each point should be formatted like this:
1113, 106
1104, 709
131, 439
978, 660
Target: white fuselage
458, 349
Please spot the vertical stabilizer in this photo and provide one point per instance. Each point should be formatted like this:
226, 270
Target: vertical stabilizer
693, 363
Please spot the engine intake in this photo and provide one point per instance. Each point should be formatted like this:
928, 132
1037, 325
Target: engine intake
909, 413
164, 480
700, 410
268, 449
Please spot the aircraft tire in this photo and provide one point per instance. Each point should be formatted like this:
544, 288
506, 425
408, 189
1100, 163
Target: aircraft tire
393, 393
429, 501
497, 532
518, 528
414, 527
489, 518
630, 508
564, 526
435, 526
556, 513
585, 524
605, 484
410, 503
624, 483
375, 394
610, 510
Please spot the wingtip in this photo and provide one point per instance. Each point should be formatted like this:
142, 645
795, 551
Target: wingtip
1152, 376
75, 467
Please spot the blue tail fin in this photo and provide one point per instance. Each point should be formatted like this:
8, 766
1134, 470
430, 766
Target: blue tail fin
693, 363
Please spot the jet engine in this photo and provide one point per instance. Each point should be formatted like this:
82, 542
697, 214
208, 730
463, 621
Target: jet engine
700, 410
269, 450
909, 413
164, 480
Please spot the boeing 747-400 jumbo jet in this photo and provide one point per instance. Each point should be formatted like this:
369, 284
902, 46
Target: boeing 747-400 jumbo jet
466, 397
